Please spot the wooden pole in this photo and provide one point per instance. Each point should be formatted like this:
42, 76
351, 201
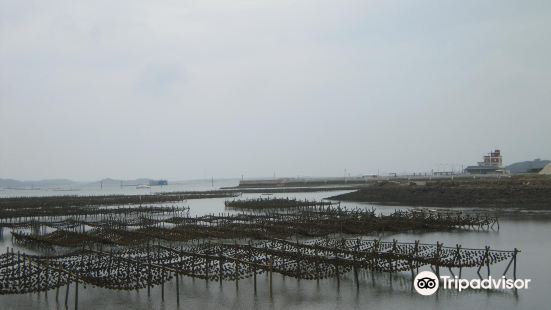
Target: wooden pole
18, 268
356, 277
337, 272
38, 277
438, 245
488, 261
482, 262
207, 264
58, 285
220, 265
254, 266
236, 274
270, 270
67, 292
163, 285
177, 289
412, 271
47, 277
76, 293
356, 249
515, 264
148, 273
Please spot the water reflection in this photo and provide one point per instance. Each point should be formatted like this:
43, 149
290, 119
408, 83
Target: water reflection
376, 290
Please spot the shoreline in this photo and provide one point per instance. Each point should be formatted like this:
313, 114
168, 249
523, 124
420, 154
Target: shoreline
517, 193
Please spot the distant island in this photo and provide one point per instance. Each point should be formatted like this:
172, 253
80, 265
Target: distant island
527, 166
65, 183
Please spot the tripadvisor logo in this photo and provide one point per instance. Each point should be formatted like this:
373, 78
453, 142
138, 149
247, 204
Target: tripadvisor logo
426, 283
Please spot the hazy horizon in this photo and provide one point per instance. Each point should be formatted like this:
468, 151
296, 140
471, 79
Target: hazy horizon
184, 90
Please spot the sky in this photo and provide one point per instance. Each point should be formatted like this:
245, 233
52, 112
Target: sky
193, 89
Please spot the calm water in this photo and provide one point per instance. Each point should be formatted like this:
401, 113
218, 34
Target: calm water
95, 189
531, 236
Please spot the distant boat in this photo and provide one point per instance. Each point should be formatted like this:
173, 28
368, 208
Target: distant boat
143, 186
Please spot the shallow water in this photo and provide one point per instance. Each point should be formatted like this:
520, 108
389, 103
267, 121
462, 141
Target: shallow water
378, 291
95, 189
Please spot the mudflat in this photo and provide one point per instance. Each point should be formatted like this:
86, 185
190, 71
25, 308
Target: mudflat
531, 192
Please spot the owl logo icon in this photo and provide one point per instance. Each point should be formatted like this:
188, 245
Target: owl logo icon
426, 283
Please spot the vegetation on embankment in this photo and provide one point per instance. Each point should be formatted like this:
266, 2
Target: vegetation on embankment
516, 192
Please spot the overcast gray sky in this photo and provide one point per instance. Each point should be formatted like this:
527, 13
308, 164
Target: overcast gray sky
187, 89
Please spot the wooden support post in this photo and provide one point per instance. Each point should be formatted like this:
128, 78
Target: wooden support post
416, 253
47, 277
482, 262
163, 285
270, 275
193, 268
515, 264
439, 250
220, 265
137, 271
410, 260
254, 265
57, 286
76, 293
458, 257
356, 251
67, 291
110, 262
318, 273
356, 277
337, 272
207, 264
488, 261
148, 274
254, 278
177, 289
509, 265
236, 274
18, 267
38, 278
25, 269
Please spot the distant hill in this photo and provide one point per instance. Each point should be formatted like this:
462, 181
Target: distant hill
54, 183
526, 166
141, 181
11, 183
